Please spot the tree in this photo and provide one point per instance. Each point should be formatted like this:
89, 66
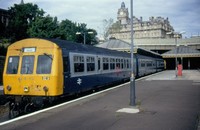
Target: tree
107, 24
2, 29
68, 30
116, 27
44, 27
21, 17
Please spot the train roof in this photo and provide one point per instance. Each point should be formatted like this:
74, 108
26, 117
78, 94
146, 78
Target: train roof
78, 47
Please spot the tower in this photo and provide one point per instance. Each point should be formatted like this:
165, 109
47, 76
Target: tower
22, 2
123, 15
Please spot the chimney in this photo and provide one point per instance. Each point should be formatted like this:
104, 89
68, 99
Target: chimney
140, 19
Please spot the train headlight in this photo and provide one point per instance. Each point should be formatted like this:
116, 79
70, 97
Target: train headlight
9, 88
45, 88
26, 89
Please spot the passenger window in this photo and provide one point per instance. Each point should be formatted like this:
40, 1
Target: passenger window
122, 63
90, 64
118, 64
27, 64
142, 64
13, 63
128, 63
78, 64
44, 64
105, 64
112, 63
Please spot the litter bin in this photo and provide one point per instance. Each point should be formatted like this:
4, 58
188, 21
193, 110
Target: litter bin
180, 68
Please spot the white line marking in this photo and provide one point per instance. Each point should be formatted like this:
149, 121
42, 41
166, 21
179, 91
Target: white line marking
129, 110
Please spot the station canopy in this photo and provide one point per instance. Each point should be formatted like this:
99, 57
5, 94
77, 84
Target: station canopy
182, 51
119, 45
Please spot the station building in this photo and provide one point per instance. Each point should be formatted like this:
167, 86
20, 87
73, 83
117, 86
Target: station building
185, 55
152, 35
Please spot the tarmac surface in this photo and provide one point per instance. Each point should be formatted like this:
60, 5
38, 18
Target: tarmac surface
166, 102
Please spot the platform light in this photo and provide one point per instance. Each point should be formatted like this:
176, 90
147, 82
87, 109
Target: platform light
84, 34
132, 78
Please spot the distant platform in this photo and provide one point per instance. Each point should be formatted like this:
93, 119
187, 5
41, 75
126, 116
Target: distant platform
171, 75
1, 87
1, 90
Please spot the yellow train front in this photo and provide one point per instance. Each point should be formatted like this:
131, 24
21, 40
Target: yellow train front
30, 69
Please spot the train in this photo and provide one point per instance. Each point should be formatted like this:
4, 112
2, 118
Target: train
40, 70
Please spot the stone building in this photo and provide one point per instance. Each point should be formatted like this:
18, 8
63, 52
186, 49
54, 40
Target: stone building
4, 17
155, 27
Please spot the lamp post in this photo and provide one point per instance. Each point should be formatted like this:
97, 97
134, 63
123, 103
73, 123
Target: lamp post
132, 78
84, 35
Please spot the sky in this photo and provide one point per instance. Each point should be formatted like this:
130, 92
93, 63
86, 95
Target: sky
184, 15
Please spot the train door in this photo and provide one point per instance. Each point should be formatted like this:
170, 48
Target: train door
135, 64
99, 68
66, 72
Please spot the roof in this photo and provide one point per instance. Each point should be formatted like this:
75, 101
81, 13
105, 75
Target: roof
182, 51
116, 44
78, 47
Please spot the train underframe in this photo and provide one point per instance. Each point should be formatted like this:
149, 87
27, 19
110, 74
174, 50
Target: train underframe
19, 105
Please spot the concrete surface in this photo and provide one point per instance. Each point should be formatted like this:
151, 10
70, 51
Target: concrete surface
165, 104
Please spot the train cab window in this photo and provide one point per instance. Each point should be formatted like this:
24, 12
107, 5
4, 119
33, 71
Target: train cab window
90, 63
78, 63
27, 65
13, 63
44, 64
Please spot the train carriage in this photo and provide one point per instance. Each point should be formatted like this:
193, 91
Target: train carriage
39, 67
40, 70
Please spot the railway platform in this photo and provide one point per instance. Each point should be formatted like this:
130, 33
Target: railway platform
1, 90
164, 100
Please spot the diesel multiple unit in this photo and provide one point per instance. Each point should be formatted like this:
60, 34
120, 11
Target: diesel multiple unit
42, 69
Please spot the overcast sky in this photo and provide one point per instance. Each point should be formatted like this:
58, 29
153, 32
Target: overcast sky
184, 15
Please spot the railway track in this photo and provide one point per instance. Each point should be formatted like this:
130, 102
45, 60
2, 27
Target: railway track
4, 106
